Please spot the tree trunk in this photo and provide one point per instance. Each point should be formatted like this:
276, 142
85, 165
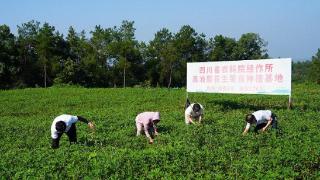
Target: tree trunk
45, 75
170, 77
124, 73
25, 59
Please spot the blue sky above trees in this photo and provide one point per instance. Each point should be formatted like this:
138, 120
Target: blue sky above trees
291, 28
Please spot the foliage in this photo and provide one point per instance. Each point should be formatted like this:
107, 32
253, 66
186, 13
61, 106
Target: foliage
214, 150
222, 48
112, 57
301, 71
8, 61
314, 73
45, 47
157, 60
250, 46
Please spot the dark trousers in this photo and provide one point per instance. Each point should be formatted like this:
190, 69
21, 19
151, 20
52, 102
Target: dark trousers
72, 135
187, 104
274, 124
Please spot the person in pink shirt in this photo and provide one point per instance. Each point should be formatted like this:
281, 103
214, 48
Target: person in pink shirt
147, 121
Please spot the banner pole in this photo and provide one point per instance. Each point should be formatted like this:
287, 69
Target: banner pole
289, 102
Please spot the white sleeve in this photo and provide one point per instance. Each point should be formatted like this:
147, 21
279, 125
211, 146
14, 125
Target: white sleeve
54, 135
201, 111
248, 126
269, 115
188, 111
54, 132
73, 119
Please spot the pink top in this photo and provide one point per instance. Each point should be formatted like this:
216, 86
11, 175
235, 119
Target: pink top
146, 119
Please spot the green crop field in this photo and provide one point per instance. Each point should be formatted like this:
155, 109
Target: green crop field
214, 150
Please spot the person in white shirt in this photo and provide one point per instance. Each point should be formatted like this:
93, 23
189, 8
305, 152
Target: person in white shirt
262, 118
66, 123
193, 112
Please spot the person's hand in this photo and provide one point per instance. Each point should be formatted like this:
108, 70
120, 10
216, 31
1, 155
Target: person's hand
91, 125
245, 132
151, 141
264, 129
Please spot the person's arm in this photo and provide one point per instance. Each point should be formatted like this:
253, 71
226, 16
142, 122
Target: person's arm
190, 119
200, 118
82, 119
268, 124
146, 127
246, 129
201, 114
187, 115
155, 129
55, 136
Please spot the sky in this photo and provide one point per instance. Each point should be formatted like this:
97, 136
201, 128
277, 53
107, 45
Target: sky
290, 27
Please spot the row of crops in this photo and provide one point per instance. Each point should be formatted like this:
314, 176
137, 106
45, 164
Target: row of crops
215, 149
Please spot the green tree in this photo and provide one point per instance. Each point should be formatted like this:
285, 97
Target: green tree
300, 71
45, 47
74, 44
8, 58
113, 56
30, 71
222, 48
169, 53
314, 73
190, 47
100, 39
125, 55
70, 74
96, 65
169, 61
155, 55
81, 53
250, 46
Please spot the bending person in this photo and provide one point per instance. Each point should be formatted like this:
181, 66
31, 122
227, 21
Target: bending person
66, 124
193, 112
147, 121
262, 118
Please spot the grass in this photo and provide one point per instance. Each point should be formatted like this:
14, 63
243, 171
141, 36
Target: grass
214, 149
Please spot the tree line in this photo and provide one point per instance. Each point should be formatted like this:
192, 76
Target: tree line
40, 56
